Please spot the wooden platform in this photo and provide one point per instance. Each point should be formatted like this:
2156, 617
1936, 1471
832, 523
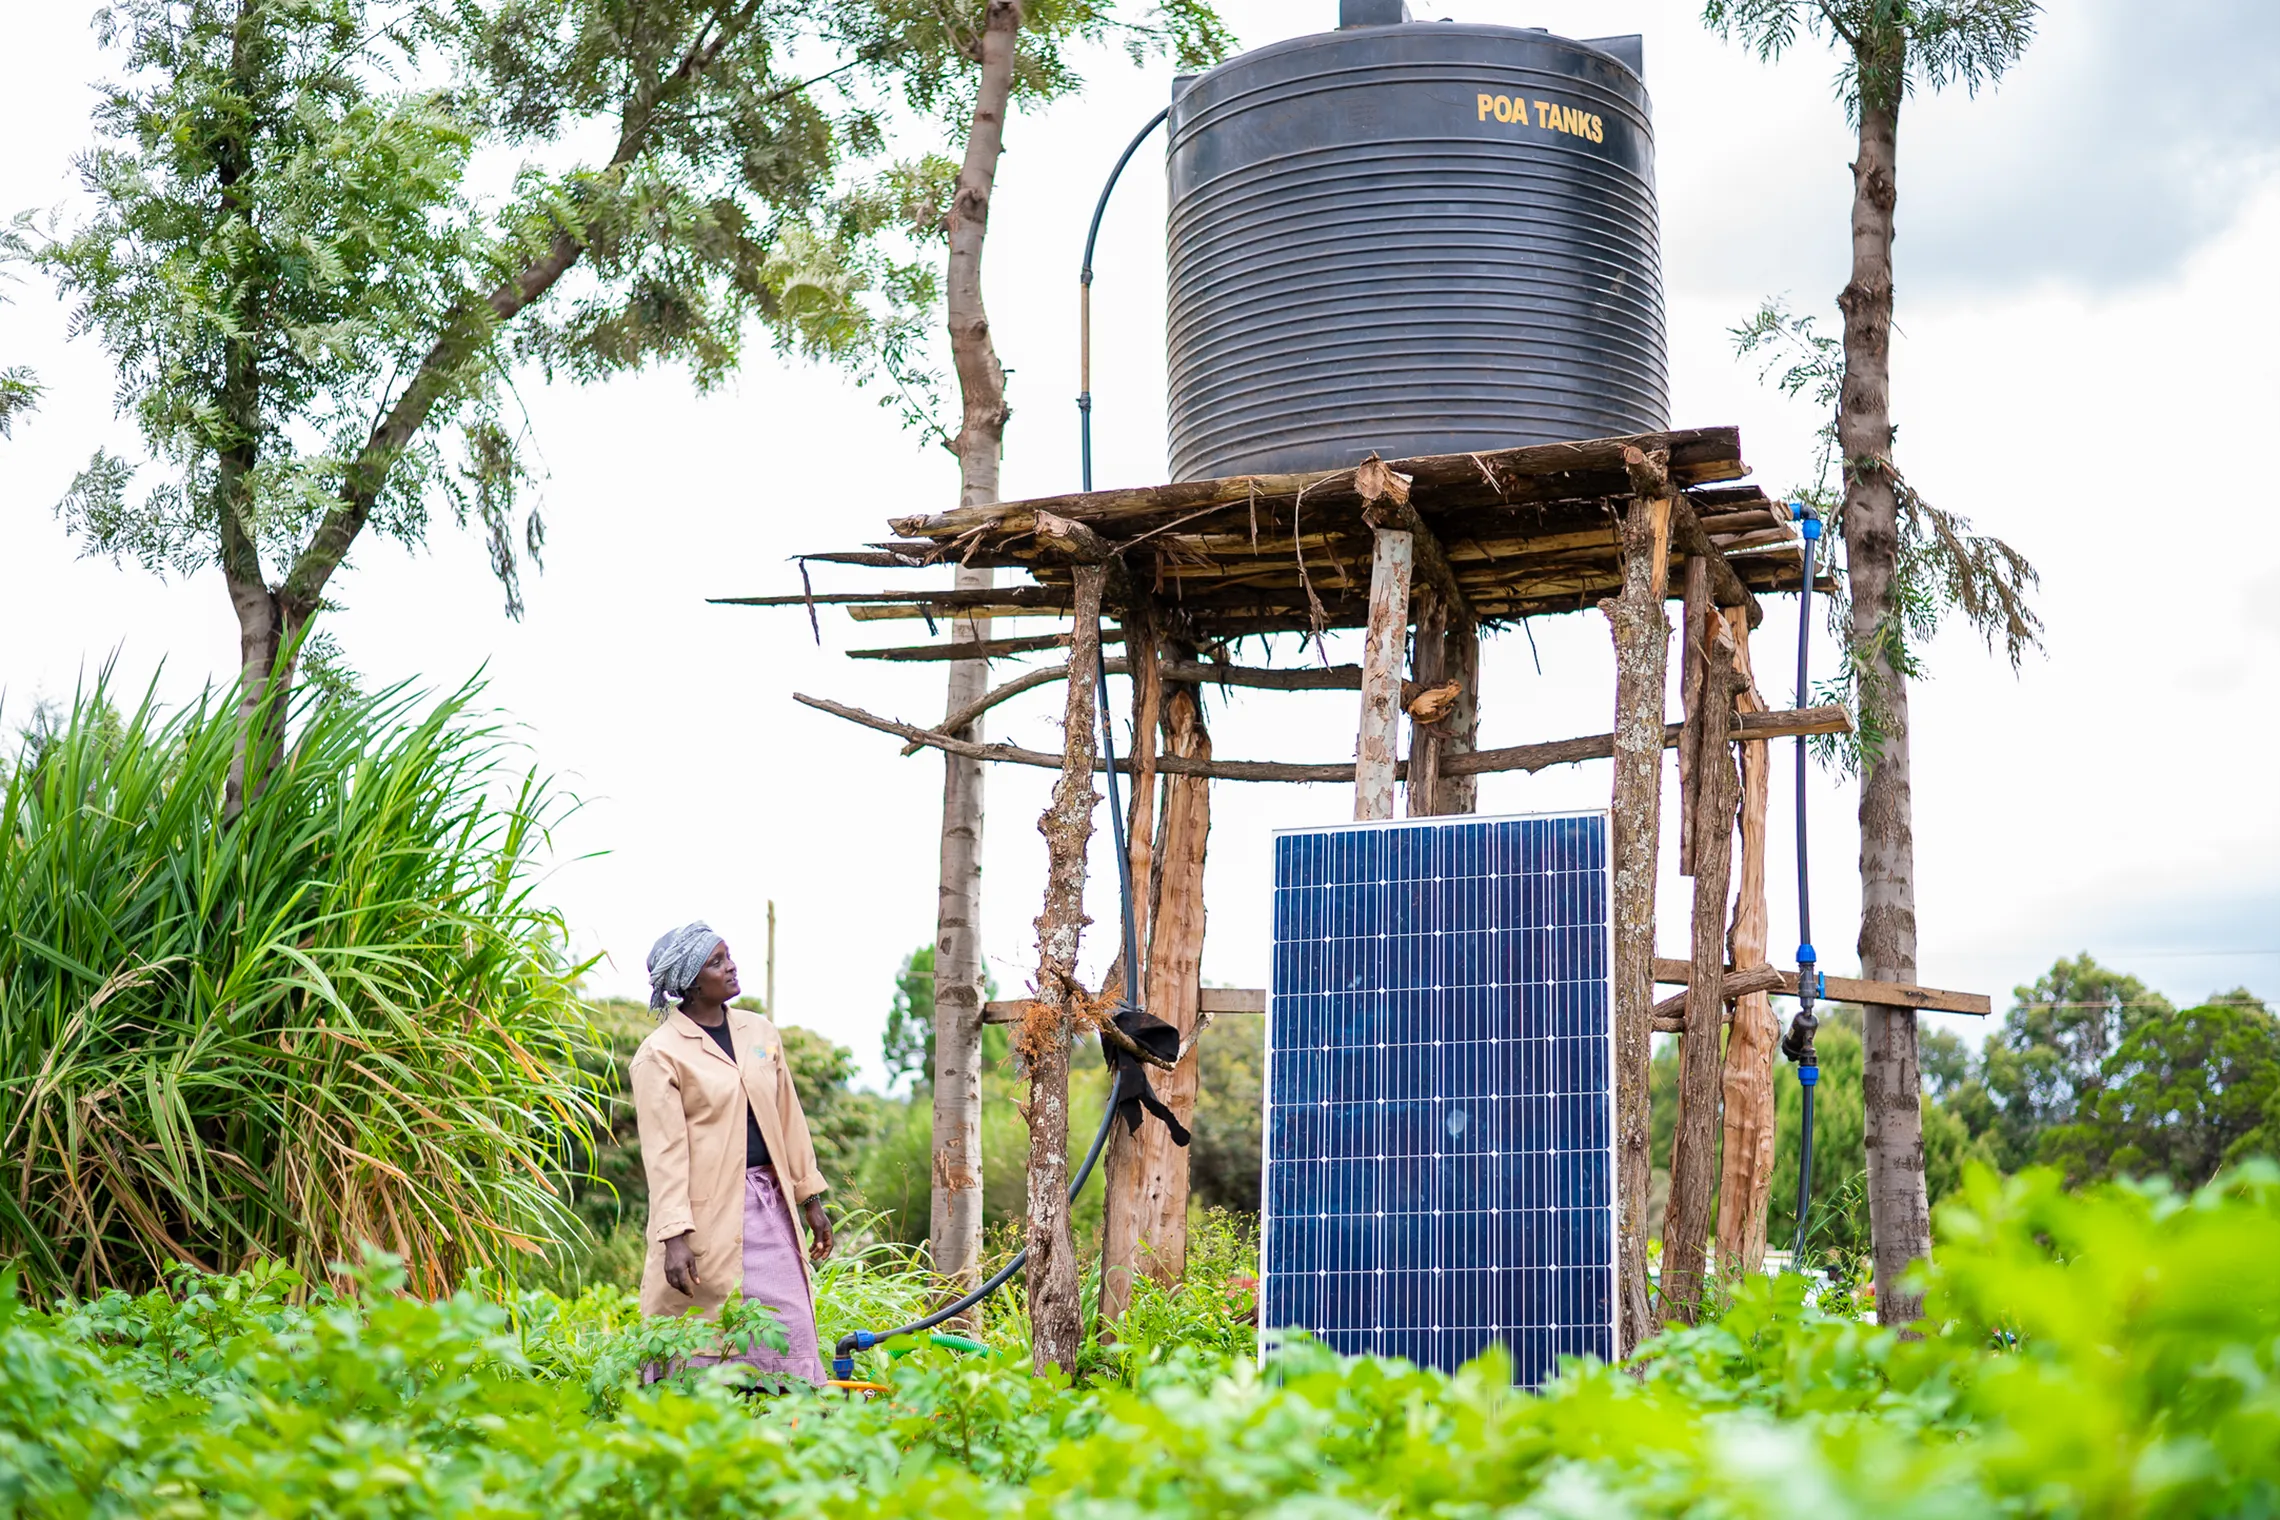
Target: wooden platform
1507, 533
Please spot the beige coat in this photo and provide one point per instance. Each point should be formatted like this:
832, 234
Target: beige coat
690, 1099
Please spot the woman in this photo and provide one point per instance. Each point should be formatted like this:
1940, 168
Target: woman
728, 1156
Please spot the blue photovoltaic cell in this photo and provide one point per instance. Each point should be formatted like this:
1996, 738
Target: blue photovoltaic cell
1440, 1163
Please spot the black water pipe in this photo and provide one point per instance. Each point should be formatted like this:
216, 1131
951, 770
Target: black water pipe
1084, 316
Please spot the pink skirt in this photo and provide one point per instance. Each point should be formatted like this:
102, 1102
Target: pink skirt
773, 1275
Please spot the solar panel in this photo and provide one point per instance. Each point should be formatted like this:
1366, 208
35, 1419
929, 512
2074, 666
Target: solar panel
1439, 1157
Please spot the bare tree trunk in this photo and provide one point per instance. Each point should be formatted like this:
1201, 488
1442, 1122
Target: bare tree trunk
1121, 1165
1175, 988
958, 962
1694, 1160
1899, 1215
1054, 1327
959, 981
1745, 1176
1642, 652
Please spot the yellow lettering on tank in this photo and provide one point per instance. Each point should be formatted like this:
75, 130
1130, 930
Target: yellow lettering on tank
1543, 110
1598, 130
1487, 104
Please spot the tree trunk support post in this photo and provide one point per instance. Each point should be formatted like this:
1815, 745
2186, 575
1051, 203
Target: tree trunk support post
1693, 1167
1642, 651
1745, 1178
1043, 1038
1382, 650
1121, 1165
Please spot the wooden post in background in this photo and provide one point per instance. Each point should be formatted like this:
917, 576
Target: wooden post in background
1693, 1164
772, 1013
1121, 1165
1174, 987
1042, 1039
1745, 1173
1427, 659
1460, 662
1642, 652
1383, 645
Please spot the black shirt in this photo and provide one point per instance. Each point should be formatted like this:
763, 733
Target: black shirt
755, 1148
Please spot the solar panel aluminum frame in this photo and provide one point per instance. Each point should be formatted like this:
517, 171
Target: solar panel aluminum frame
1276, 993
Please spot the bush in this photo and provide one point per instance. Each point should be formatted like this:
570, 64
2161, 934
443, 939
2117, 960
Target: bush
2115, 1354
337, 1020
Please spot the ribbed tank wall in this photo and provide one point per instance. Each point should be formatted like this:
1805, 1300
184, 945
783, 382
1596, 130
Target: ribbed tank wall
1363, 256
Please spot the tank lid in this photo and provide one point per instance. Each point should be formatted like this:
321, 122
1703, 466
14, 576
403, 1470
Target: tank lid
1353, 13
1630, 51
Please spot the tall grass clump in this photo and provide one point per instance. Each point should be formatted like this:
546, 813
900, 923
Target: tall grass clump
338, 1020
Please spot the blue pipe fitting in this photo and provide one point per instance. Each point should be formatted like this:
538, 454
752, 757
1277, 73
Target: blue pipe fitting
1810, 527
843, 1368
1805, 955
1807, 1076
865, 1340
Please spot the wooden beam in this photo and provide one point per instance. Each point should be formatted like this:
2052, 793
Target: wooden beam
988, 649
1846, 989
1425, 709
1213, 1000
1521, 757
1377, 739
1642, 650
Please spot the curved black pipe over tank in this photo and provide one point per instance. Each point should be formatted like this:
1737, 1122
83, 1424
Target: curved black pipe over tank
1415, 239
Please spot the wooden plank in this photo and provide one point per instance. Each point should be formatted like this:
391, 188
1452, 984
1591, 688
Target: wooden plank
986, 649
1378, 737
1211, 1000
1521, 757
1846, 989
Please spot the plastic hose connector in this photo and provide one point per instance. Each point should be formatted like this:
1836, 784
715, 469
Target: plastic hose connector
865, 1340
843, 1367
1805, 955
1810, 527
1807, 1076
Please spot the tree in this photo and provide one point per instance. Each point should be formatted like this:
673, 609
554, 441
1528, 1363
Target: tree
2050, 1054
304, 294
2182, 1095
1009, 69
906, 1045
1887, 47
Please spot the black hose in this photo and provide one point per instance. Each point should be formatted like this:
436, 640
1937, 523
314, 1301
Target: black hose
1798, 1044
842, 1361
1084, 300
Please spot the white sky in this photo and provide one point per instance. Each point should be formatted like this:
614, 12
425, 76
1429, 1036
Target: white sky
2083, 266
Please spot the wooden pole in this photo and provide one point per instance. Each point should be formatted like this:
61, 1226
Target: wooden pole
1745, 1172
960, 979
1642, 651
1692, 623
1427, 662
1694, 1160
1460, 662
1042, 1040
772, 959
1382, 648
1121, 1170
1175, 987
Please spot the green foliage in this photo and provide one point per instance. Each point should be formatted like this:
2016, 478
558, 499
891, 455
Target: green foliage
341, 1020
2183, 1094
2112, 1353
1942, 566
1224, 1158
2050, 1052
1888, 46
305, 293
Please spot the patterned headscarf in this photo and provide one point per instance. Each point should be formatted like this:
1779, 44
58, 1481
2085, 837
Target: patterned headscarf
676, 960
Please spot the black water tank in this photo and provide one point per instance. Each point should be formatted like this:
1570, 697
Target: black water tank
1416, 238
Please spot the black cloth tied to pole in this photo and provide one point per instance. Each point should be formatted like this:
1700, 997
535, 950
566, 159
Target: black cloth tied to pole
1133, 1091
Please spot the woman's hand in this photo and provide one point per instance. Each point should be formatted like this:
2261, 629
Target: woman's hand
681, 1264
819, 1231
